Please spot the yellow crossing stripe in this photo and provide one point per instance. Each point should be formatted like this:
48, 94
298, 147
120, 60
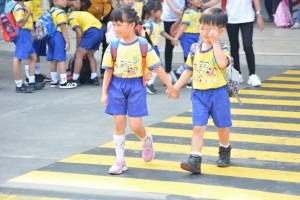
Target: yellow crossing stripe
22, 197
293, 72
267, 102
232, 171
242, 124
213, 151
142, 185
269, 93
276, 85
282, 78
233, 136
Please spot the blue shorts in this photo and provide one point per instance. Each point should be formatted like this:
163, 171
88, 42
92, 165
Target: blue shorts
186, 41
91, 39
127, 96
40, 46
214, 102
156, 50
56, 47
24, 43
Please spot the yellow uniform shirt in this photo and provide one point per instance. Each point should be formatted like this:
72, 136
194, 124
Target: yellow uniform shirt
155, 33
129, 60
191, 18
19, 14
59, 17
83, 20
206, 73
37, 9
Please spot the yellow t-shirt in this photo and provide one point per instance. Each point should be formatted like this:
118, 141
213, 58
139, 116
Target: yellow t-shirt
37, 9
191, 18
129, 60
156, 31
206, 73
139, 8
99, 8
19, 14
83, 20
59, 17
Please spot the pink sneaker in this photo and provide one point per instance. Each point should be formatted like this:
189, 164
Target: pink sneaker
118, 167
148, 152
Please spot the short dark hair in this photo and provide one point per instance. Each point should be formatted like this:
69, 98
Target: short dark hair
214, 16
124, 13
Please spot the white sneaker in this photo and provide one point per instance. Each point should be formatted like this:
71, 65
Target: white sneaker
118, 167
254, 80
296, 26
241, 80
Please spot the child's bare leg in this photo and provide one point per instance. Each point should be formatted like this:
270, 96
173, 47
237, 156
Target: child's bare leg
224, 149
53, 71
80, 52
62, 71
31, 62
93, 62
137, 127
16, 68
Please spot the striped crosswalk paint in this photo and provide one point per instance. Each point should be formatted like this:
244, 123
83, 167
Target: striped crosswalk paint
265, 157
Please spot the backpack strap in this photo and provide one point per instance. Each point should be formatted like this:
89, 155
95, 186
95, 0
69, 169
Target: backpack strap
151, 26
114, 49
143, 47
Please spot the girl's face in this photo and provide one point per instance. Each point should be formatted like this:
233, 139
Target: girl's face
196, 3
123, 29
157, 14
129, 2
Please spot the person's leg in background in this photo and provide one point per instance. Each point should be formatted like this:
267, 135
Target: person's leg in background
168, 50
269, 8
297, 23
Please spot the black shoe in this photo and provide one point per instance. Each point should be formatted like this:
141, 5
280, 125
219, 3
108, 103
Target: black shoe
151, 89
54, 84
224, 157
175, 75
24, 89
189, 84
94, 81
192, 164
37, 85
68, 85
41, 78
77, 82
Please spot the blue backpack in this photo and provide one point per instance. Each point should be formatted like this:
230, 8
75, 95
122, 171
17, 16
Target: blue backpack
44, 26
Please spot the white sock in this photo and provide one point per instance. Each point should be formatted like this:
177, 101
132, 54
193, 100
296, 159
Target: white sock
19, 83
27, 70
31, 79
119, 146
196, 153
225, 146
146, 139
53, 77
63, 78
75, 76
150, 82
37, 68
93, 75
180, 70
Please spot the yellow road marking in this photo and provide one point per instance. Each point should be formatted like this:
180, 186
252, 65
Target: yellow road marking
232, 171
233, 136
142, 185
294, 72
267, 101
242, 124
23, 197
276, 85
282, 78
213, 151
269, 93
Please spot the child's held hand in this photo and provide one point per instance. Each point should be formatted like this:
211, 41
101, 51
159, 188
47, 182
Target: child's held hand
104, 99
174, 41
67, 48
173, 92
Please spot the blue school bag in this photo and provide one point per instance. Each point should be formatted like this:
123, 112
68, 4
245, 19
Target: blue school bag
147, 74
44, 26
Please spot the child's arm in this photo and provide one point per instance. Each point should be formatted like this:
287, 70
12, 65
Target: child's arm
106, 81
64, 31
184, 78
27, 15
179, 33
220, 57
167, 36
210, 3
78, 37
163, 76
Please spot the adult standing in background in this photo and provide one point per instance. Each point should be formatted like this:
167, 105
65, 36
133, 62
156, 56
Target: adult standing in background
241, 16
172, 11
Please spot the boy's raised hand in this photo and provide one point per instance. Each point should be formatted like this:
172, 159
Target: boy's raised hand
213, 36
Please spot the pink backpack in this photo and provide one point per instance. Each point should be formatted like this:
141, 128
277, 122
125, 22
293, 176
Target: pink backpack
282, 17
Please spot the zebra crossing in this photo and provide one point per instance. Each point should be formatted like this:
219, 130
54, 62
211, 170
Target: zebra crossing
265, 158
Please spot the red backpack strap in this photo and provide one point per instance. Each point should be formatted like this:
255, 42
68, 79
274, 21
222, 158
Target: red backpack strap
143, 47
223, 5
114, 49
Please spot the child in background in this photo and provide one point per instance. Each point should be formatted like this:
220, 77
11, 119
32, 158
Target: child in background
152, 12
88, 38
123, 92
188, 32
24, 49
209, 95
58, 45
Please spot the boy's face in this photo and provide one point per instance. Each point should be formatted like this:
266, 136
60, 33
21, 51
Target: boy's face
129, 2
60, 3
210, 32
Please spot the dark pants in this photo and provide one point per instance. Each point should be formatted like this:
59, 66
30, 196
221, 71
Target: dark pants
247, 36
269, 7
168, 48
